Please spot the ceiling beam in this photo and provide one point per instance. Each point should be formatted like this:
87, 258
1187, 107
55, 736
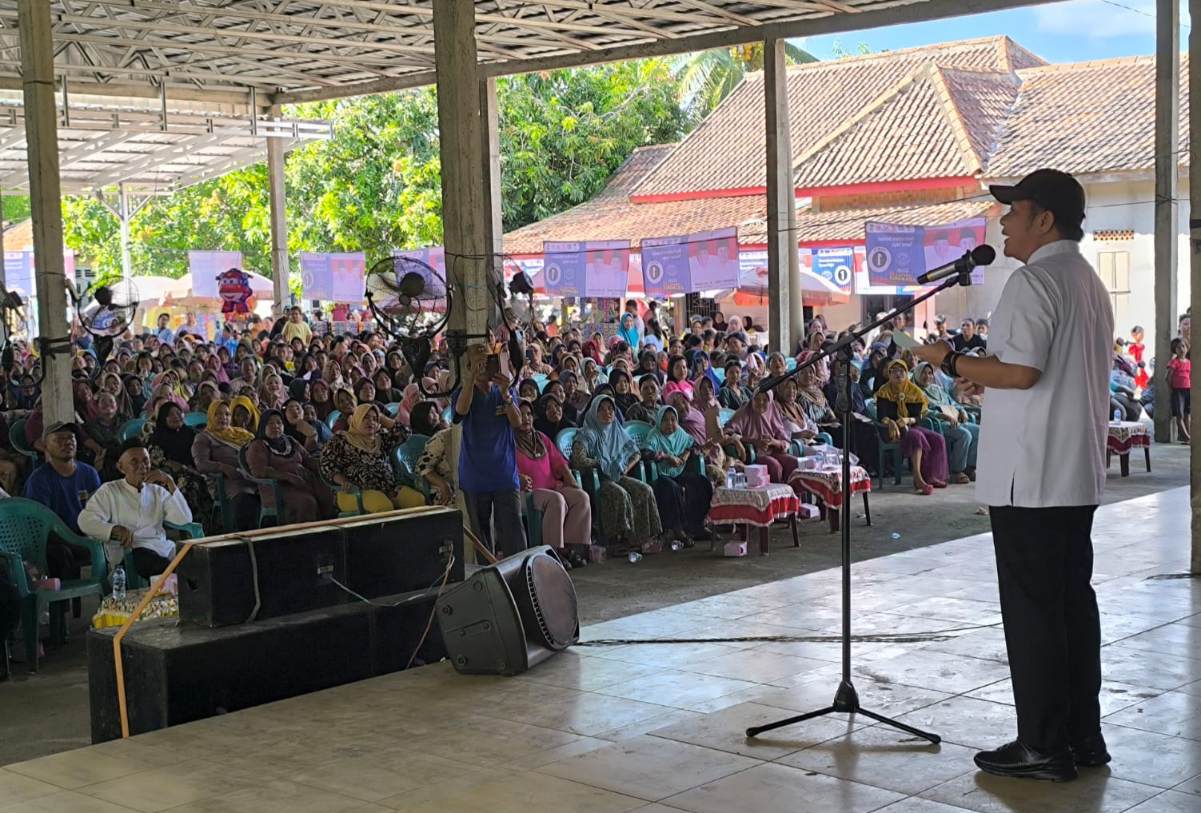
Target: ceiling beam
150, 159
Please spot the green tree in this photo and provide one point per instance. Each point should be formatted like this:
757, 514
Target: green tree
707, 77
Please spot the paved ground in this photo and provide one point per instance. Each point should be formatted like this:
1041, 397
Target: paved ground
48, 712
659, 728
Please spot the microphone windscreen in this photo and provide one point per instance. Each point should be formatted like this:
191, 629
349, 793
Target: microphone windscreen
984, 254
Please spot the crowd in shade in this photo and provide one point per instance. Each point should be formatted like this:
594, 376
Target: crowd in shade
616, 437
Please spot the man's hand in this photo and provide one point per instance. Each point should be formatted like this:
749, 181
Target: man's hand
934, 353
121, 534
445, 494
159, 478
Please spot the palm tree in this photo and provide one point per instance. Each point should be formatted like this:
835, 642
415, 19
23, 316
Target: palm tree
707, 77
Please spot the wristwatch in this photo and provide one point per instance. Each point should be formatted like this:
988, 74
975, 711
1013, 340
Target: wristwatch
950, 364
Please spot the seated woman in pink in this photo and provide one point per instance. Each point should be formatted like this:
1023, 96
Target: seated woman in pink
566, 512
760, 424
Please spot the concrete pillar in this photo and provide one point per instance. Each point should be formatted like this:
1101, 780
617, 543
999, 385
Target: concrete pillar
782, 257
279, 216
494, 230
1194, 224
1167, 161
3, 226
41, 133
124, 215
464, 196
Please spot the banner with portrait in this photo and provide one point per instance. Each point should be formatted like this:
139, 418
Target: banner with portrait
703, 261
594, 268
206, 266
333, 277
432, 256
898, 254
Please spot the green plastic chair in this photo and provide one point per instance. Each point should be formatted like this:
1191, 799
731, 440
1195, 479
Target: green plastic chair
587, 479
724, 415
196, 420
25, 527
16, 436
393, 408
647, 471
404, 461
265, 513
131, 429
892, 450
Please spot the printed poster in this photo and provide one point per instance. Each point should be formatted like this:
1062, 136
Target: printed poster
19, 267
703, 261
432, 256
596, 268
206, 266
333, 277
898, 254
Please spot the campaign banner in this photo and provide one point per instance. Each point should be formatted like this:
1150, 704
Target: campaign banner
19, 267
898, 254
333, 277
835, 265
682, 264
595, 268
206, 266
432, 256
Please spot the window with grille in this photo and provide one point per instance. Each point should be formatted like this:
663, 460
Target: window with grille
1114, 268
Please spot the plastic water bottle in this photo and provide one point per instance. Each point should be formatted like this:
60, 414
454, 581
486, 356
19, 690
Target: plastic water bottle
634, 557
894, 536
1117, 415
731, 477
677, 545
119, 583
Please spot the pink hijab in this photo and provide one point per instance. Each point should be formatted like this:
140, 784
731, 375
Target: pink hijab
768, 425
408, 400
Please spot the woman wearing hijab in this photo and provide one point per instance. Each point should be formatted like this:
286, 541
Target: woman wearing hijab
384, 393
566, 511
628, 332
275, 455
759, 424
549, 418
215, 451
321, 398
311, 435
623, 390
170, 446
900, 404
408, 400
135, 393
801, 426
359, 457
574, 395
244, 414
556, 390
682, 495
962, 436
628, 509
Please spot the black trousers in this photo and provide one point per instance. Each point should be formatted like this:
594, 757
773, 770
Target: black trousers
683, 501
1052, 630
148, 563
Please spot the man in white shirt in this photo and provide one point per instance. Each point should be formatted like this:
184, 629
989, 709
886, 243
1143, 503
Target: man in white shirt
1042, 471
131, 511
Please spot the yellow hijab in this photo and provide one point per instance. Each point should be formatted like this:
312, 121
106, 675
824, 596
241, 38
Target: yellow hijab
233, 435
248, 405
359, 437
903, 393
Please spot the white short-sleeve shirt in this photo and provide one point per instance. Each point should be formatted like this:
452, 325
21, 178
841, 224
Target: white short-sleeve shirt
1045, 446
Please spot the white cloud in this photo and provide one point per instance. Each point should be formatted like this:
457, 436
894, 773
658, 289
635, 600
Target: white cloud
1096, 19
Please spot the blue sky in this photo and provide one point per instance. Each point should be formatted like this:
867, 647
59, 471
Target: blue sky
1072, 31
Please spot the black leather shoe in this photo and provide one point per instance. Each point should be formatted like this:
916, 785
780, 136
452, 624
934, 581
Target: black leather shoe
1023, 762
1091, 752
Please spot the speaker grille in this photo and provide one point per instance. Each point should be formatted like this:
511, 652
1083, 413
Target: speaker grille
553, 600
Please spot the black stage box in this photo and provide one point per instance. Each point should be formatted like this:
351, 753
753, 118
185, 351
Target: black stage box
373, 556
176, 673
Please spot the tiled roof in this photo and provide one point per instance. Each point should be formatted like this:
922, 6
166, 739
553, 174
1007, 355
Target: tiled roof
846, 225
19, 236
1086, 117
726, 150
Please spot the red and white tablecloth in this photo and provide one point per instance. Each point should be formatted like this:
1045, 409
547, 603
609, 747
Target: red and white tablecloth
826, 482
1127, 435
760, 506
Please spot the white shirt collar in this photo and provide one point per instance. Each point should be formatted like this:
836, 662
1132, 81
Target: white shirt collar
1053, 249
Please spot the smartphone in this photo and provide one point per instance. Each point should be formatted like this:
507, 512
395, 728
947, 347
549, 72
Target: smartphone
492, 365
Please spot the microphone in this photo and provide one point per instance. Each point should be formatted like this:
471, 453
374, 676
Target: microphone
980, 255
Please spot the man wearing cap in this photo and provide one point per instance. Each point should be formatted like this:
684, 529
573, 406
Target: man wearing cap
63, 485
1042, 471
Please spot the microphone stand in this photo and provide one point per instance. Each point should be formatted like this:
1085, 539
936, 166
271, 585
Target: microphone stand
846, 699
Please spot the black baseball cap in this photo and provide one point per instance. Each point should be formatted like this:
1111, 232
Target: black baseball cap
1057, 192
61, 426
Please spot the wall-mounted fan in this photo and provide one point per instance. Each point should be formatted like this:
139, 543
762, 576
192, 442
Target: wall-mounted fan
110, 308
411, 303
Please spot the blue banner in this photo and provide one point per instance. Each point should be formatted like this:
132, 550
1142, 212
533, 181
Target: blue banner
595, 268
895, 254
835, 265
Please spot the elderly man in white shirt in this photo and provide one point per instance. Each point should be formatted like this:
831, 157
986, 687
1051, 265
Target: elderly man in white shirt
131, 511
1041, 472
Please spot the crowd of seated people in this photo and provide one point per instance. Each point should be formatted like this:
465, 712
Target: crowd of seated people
618, 437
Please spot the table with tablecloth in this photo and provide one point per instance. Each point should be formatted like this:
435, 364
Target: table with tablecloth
825, 483
758, 507
1124, 436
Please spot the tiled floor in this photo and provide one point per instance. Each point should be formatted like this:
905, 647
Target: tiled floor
658, 728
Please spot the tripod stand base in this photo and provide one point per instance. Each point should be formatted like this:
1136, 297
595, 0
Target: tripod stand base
846, 701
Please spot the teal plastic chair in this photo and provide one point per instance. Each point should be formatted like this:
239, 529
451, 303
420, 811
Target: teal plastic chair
393, 408
404, 461
889, 450
448, 415
540, 379
25, 528
16, 437
724, 415
131, 429
720, 372
332, 418
265, 513
790, 363
647, 472
588, 479
196, 420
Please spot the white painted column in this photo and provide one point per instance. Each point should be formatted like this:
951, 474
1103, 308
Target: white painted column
782, 257
1194, 182
494, 230
1167, 161
41, 133
279, 217
464, 197
124, 215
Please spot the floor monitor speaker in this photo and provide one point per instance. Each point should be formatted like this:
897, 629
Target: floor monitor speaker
510, 616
